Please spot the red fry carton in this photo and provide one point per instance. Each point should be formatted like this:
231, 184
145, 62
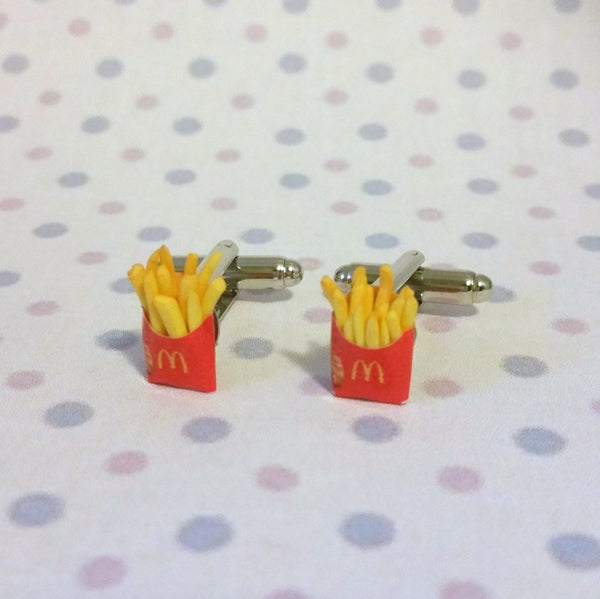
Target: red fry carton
187, 362
381, 374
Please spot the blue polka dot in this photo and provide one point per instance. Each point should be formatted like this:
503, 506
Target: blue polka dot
502, 294
372, 131
73, 179
382, 241
50, 230
294, 180
368, 530
117, 339
180, 176
292, 63
205, 533
379, 72
290, 136
524, 366
8, 277
122, 285
251, 348
206, 429
36, 509
483, 186
480, 240
8, 123
68, 414
591, 243
202, 68
388, 4
15, 64
471, 79
187, 125
577, 551
109, 68
375, 429
574, 137
95, 124
377, 187
257, 236
466, 7
470, 141
567, 6
564, 79
157, 233
539, 441
295, 6
592, 190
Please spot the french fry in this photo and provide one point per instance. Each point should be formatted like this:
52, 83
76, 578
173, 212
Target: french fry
384, 331
329, 288
358, 326
150, 292
191, 264
163, 278
368, 299
349, 330
359, 277
153, 261
136, 276
406, 292
167, 260
194, 311
397, 305
212, 294
206, 272
171, 315
186, 284
411, 305
340, 308
393, 322
357, 296
386, 284
372, 331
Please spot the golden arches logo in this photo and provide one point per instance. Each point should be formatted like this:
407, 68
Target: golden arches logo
172, 359
367, 368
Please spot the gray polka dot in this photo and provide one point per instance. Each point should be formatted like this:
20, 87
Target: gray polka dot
8, 277
368, 530
387, 4
483, 186
290, 136
180, 176
36, 509
292, 63
375, 429
382, 241
50, 230
502, 294
205, 533
589, 242
157, 233
466, 7
95, 124
257, 235
15, 64
8, 123
574, 137
121, 285
578, 551
564, 79
67, 414
539, 441
479, 240
125, 2
372, 131
202, 68
295, 6
567, 5
471, 79
470, 141
117, 339
215, 3
524, 366
380, 72
592, 190
73, 179
109, 68
294, 180
377, 187
206, 429
251, 348
187, 125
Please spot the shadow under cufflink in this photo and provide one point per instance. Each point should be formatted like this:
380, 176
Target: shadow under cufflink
315, 362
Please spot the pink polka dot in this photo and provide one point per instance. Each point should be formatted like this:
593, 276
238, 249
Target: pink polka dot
464, 589
441, 387
426, 106
313, 386
146, 102
111, 207
336, 39
544, 268
8, 204
420, 161
3, 20
317, 315
541, 212
49, 98
223, 203
24, 379
39, 153
438, 324
162, 31
256, 33
243, 101
343, 207
596, 406
310, 263
459, 479
127, 462
228, 155
336, 165
92, 257
102, 572
42, 308
430, 214
521, 113
277, 478
569, 326
335, 97
132, 154
78, 27
510, 40
431, 36
524, 171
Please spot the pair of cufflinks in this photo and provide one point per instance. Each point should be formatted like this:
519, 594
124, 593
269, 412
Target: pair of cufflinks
381, 374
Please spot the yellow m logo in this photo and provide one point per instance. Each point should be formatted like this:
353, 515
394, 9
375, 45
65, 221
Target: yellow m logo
172, 358
367, 370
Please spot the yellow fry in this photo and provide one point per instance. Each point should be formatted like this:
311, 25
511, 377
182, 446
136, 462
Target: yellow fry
206, 272
384, 332
340, 307
163, 278
212, 294
358, 325
186, 284
170, 314
359, 277
410, 311
349, 330
386, 284
357, 298
136, 277
394, 325
194, 311
191, 264
372, 331
382, 310
406, 292
329, 288
167, 260
153, 261
368, 299
150, 292
397, 305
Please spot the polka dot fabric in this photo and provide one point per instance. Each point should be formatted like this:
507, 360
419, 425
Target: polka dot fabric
328, 133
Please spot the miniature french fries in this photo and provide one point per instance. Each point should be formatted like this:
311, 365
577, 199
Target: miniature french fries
191, 264
213, 292
136, 277
194, 311
372, 331
150, 292
171, 315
